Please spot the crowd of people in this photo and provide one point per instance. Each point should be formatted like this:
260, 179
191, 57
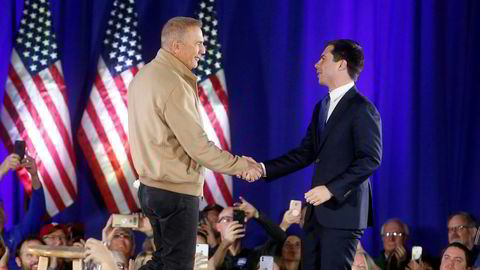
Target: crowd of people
223, 234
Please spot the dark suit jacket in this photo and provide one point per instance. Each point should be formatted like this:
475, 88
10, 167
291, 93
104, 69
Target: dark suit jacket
345, 153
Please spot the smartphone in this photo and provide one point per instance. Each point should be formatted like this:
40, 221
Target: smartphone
266, 263
20, 148
477, 237
2, 247
239, 215
416, 253
202, 249
125, 221
296, 207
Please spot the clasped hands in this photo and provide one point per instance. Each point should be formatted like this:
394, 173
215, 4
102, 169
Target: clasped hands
253, 172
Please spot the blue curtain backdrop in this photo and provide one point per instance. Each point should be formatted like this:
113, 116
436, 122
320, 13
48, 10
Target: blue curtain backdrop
421, 71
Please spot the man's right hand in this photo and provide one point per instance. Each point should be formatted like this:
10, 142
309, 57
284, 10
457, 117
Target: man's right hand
12, 162
254, 170
233, 232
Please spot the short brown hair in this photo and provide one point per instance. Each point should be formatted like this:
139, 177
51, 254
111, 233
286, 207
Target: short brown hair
350, 51
175, 28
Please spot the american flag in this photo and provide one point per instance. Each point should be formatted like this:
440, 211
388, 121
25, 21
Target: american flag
103, 134
214, 98
35, 106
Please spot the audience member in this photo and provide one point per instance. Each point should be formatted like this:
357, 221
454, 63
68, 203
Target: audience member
119, 239
394, 254
456, 257
25, 259
462, 229
209, 219
291, 253
31, 222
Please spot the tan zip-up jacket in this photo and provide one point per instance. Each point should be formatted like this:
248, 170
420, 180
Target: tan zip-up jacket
168, 144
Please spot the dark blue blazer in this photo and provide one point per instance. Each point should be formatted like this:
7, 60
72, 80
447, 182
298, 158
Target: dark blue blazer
345, 154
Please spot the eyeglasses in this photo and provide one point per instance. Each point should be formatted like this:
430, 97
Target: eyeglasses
225, 219
55, 237
393, 234
122, 235
460, 228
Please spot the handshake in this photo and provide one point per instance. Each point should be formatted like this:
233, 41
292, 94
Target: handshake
253, 172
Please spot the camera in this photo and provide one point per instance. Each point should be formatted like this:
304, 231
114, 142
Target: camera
125, 221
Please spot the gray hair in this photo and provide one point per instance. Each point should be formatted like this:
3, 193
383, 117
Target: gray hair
466, 216
175, 28
398, 221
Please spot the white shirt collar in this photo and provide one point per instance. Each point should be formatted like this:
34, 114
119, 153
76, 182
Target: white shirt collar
340, 91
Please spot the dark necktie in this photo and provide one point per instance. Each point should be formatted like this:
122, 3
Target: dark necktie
322, 118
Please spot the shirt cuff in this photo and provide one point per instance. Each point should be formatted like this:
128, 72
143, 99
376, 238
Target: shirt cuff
264, 170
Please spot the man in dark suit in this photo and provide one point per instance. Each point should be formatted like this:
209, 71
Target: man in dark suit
344, 141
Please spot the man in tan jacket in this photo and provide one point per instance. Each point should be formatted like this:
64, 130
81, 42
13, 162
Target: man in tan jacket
169, 146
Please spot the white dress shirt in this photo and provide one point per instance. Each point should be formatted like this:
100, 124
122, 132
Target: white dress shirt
336, 95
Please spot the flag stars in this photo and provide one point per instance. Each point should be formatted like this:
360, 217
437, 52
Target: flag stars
35, 58
31, 25
43, 62
214, 32
201, 15
217, 65
126, 29
214, 22
53, 55
110, 22
33, 67
28, 44
118, 68
218, 55
129, 10
113, 54
47, 23
36, 48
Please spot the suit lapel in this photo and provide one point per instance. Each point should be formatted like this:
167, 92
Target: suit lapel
337, 114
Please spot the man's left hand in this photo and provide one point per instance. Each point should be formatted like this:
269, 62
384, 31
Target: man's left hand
318, 195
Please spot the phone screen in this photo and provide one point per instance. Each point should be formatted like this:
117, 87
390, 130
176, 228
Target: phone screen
239, 215
20, 148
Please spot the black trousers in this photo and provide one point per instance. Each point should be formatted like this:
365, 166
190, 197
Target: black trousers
329, 249
174, 219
